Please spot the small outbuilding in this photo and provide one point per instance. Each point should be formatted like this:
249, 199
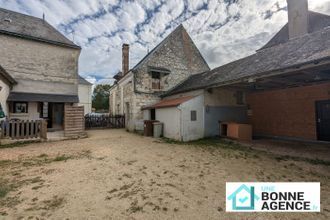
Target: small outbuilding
184, 117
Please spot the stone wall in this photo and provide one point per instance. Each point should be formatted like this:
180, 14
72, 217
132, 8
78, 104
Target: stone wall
40, 67
179, 54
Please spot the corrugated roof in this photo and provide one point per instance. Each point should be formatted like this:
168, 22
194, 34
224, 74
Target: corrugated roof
169, 102
33, 28
316, 22
37, 97
296, 52
84, 81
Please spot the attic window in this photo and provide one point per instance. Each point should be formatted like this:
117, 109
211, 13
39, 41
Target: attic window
155, 80
239, 98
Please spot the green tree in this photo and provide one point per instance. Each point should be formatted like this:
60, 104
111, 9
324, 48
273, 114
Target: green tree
101, 97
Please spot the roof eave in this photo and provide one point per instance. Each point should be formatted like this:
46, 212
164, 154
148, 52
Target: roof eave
40, 39
256, 76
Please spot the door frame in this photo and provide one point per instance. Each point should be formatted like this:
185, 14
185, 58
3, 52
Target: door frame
51, 115
317, 114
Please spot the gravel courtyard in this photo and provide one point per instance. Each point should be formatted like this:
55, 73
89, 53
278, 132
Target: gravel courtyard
118, 175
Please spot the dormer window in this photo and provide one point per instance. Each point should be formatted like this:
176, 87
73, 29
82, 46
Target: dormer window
157, 73
155, 80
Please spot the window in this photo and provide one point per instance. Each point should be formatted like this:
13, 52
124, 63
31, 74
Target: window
193, 116
155, 80
239, 98
20, 107
152, 114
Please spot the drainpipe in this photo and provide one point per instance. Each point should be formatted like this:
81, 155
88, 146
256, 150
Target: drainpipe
181, 123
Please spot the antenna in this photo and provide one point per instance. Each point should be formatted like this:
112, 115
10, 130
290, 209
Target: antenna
73, 35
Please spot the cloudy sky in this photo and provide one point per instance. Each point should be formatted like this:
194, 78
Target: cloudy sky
224, 30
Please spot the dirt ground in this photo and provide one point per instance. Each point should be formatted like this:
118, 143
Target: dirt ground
118, 175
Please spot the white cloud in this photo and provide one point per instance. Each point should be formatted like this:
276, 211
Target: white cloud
102, 26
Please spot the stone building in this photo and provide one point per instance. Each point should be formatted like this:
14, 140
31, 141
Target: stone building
44, 66
281, 91
171, 62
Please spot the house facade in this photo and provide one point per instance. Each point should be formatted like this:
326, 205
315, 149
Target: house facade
44, 65
85, 95
283, 90
167, 65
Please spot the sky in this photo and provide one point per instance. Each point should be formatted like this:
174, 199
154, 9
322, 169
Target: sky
223, 30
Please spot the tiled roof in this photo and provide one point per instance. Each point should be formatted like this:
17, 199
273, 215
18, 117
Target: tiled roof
29, 27
169, 102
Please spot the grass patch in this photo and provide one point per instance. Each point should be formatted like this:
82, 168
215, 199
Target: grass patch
62, 157
54, 203
42, 155
49, 205
308, 160
4, 190
213, 143
4, 162
18, 144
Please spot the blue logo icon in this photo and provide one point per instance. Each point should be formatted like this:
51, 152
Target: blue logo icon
243, 198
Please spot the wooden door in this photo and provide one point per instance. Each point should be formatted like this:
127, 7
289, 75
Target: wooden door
58, 115
323, 120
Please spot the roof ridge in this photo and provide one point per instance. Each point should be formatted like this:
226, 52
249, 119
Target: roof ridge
27, 15
33, 28
158, 46
281, 36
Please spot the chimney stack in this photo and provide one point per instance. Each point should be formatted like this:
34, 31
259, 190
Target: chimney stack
297, 17
125, 59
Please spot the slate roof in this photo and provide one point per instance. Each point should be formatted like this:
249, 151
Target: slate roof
309, 48
83, 81
32, 28
34, 97
316, 22
169, 102
6, 76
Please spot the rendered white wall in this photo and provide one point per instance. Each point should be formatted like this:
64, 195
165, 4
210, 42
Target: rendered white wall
171, 119
32, 114
192, 130
85, 97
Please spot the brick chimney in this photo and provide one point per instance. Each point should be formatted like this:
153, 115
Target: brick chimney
297, 17
125, 59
